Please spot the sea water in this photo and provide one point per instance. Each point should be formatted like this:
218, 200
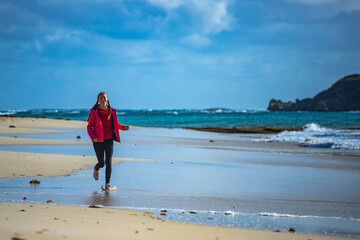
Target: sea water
339, 130
265, 197
215, 117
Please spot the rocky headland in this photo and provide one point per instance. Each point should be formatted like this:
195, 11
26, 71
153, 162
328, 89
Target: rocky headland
344, 95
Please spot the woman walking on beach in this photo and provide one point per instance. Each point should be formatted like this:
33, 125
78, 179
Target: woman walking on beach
103, 129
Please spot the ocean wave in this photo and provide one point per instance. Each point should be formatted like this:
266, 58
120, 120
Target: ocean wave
281, 215
314, 135
11, 112
172, 112
232, 213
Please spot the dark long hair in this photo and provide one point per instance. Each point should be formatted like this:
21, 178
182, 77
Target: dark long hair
97, 104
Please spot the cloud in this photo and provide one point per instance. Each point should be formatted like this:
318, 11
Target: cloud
214, 15
196, 40
61, 34
207, 17
19, 22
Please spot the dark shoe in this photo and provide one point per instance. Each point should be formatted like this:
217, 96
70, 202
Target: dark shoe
96, 174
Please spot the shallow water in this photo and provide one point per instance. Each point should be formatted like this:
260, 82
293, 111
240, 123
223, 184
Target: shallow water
313, 194
316, 201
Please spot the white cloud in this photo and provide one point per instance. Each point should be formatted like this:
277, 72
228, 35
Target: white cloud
197, 40
72, 36
215, 16
38, 46
210, 16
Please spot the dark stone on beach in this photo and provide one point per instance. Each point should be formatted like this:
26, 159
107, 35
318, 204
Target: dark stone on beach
78, 137
164, 211
94, 206
17, 238
163, 214
292, 230
211, 141
12, 126
34, 181
277, 231
259, 129
344, 95
24, 198
192, 212
49, 201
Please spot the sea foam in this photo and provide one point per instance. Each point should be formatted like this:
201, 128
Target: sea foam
281, 215
314, 135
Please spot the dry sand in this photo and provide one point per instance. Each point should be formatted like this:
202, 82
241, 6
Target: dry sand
25, 221
30, 122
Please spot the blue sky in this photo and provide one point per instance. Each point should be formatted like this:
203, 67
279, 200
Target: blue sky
173, 53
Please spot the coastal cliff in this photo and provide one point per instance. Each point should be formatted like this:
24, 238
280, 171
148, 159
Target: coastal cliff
344, 95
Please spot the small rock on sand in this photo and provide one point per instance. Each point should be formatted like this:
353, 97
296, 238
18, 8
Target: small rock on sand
34, 181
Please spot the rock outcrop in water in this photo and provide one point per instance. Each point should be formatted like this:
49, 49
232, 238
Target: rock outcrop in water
344, 95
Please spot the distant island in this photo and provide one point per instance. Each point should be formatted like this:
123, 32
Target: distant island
344, 95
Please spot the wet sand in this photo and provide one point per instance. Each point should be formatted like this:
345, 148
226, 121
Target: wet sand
29, 221
24, 164
25, 221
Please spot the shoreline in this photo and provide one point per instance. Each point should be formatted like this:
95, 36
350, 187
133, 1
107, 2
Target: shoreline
34, 225
48, 221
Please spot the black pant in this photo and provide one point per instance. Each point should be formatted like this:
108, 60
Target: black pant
100, 147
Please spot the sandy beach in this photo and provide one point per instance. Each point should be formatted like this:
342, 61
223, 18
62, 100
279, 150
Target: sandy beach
50, 221
69, 222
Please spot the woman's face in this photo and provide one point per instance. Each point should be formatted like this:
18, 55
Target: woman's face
103, 99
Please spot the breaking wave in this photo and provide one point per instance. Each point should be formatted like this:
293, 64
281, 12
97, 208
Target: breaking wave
314, 135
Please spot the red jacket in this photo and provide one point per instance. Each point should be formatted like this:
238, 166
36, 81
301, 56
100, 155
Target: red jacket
95, 127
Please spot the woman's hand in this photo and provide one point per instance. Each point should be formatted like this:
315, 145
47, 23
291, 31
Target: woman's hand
95, 140
126, 128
